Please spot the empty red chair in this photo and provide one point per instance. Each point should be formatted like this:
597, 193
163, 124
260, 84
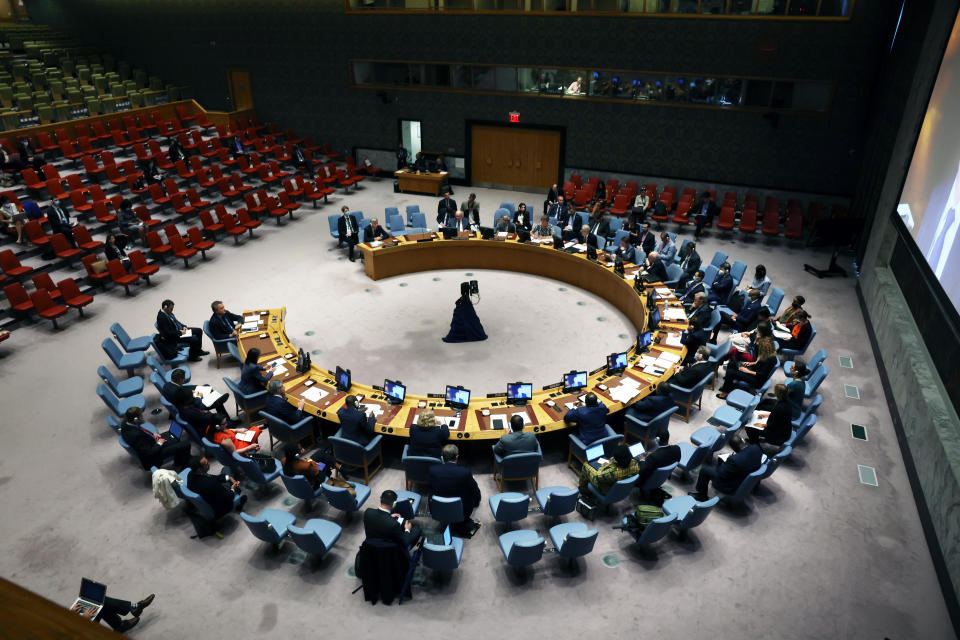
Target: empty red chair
182, 112
79, 201
196, 200
204, 179
120, 140
95, 277
771, 224
32, 181
102, 214
99, 132
74, 183
140, 265
274, 208
60, 246
157, 247
748, 220
726, 218
620, 205
276, 171
35, 233
120, 276
243, 219
181, 250
264, 172
171, 231
180, 206
184, 172
45, 143
11, 264
17, 296
292, 190
86, 146
113, 175
327, 174
69, 151
84, 240
157, 195
228, 191
252, 206
171, 186
224, 157
143, 214
72, 296
328, 151
93, 171
231, 227
43, 280
287, 203
794, 227
45, 307
198, 242
209, 226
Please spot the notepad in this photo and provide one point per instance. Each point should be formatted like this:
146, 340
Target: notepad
249, 327
313, 394
209, 395
675, 313
672, 358
375, 244
251, 319
673, 340
663, 292
782, 335
375, 409
246, 436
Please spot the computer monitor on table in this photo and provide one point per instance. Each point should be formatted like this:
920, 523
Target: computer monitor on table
574, 381
342, 377
616, 363
654, 319
457, 397
394, 391
519, 393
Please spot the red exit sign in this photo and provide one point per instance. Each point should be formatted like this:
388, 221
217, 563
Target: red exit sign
514, 116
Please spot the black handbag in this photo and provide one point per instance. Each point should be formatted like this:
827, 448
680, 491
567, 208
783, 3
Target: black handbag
265, 461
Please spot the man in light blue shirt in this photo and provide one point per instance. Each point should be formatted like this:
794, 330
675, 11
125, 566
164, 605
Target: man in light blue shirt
667, 250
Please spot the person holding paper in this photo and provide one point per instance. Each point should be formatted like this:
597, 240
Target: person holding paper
177, 380
754, 374
586, 238
778, 428
253, 375
799, 332
354, 423
218, 429
375, 232
383, 522
277, 404
727, 476
224, 324
545, 230
173, 333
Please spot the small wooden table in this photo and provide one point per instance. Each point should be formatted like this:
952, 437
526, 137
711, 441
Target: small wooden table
420, 182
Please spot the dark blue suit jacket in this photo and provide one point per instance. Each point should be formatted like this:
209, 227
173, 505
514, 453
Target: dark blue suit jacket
450, 480
279, 408
427, 441
356, 426
222, 326
748, 315
737, 467
651, 406
591, 421
721, 287
253, 379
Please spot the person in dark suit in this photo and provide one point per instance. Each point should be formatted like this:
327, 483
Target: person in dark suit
645, 239
626, 251
375, 232
704, 213
382, 522
217, 490
694, 286
800, 332
177, 382
586, 238
112, 611
176, 151
348, 230
59, 221
591, 419
253, 376
689, 264
173, 333
277, 404
420, 163
223, 324
446, 209
427, 436
151, 449
551, 200
505, 226
743, 320
700, 310
599, 225
28, 154
651, 407
471, 209
689, 377
659, 457
450, 480
354, 423
693, 338
517, 441
754, 374
568, 219
727, 477
654, 270
521, 217
779, 425
721, 286
458, 223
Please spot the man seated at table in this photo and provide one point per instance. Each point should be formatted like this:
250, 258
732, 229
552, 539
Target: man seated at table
654, 270
505, 226
217, 490
700, 309
354, 423
375, 232
172, 388
591, 418
458, 223
516, 441
599, 225
694, 286
450, 480
722, 286
586, 238
727, 476
224, 324
693, 337
420, 163
348, 230
626, 251
446, 209
667, 248
545, 230
278, 407
651, 407
383, 522
621, 465
689, 376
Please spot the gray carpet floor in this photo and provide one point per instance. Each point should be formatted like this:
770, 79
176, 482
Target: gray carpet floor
815, 554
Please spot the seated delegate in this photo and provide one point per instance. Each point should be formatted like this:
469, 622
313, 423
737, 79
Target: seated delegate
427, 437
374, 231
450, 480
217, 490
621, 465
517, 441
753, 374
590, 418
173, 333
383, 522
253, 375
224, 324
355, 424
727, 476
151, 449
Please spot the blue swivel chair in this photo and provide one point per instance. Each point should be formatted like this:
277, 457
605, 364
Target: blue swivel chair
114, 424
646, 431
416, 469
126, 447
332, 220
282, 431
299, 487
391, 211
557, 501
160, 369
220, 345
200, 506
270, 526
409, 496
522, 548
119, 406
709, 275
181, 357
573, 540
810, 409
517, 467
673, 276
509, 207
707, 435
717, 352
686, 398
128, 361
658, 477
737, 269
121, 388
340, 498
619, 491
578, 449
316, 537
412, 209
718, 259
690, 513
446, 510
220, 454
746, 487
509, 507
249, 403
129, 344
816, 379
442, 558
804, 428
232, 349
419, 224
655, 530
395, 224
251, 470
349, 453
774, 300
812, 365
692, 456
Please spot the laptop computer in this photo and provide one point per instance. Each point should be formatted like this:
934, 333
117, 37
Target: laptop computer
636, 449
595, 456
176, 430
440, 539
92, 595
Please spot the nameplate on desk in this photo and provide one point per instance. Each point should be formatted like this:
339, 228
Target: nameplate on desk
497, 395
436, 395
598, 369
554, 385
425, 240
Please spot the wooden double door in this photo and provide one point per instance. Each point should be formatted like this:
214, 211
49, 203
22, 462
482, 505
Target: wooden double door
513, 156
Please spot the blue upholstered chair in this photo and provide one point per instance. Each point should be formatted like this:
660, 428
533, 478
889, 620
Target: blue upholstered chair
646, 431
332, 221
709, 436
340, 498
127, 361
509, 507
182, 355
412, 209
419, 224
746, 487
218, 453
804, 428
416, 469
121, 388
252, 472
282, 431
249, 403
517, 467
578, 450
509, 207
573, 540
812, 365
522, 548
270, 526
816, 379
812, 407
160, 369
686, 398
414, 498
299, 487
690, 513
673, 276
619, 491
655, 530
737, 269
717, 352
129, 344
774, 300
395, 225
442, 558
119, 406
221, 345
349, 453
709, 275
794, 353
446, 510
316, 537
200, 506
718, 259
692, 456
557, 501
392, 211
658, 477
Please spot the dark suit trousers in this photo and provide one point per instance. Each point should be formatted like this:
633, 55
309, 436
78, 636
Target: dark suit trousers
112, 611
733, 375
179, 452
194, 340
708, 472
352, 241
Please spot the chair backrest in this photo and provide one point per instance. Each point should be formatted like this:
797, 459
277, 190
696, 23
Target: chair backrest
417, 468
332, 221
390, 211
816, 361
439, 557
816, 378
411, 209
509, 207
113, 351
222, 455
526, 552
737, 271
774, 300
395, 223
718, 259
659, 476
521, 465
698, 513
699, 455
657, 529
201, 505
673, 272
578, 543
109, 399
805, 427
560, 503
419, 220
340, 498
620, 490
297, 486
446, 509
308, 540
749, 483
710, 274
108, 377
261, 528
510, 508
812, 407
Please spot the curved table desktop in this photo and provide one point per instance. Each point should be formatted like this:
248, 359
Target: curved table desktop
544, 410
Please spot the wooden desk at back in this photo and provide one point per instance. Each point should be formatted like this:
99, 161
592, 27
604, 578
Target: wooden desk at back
544, 412
420, 182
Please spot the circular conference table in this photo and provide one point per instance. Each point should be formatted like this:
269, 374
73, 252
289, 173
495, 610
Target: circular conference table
545, 410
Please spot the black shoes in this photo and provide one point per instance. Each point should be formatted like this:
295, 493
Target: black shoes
143, 604
204, 353
126, 625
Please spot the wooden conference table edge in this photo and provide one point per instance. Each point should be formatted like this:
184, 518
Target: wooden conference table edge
471, 429
420, 182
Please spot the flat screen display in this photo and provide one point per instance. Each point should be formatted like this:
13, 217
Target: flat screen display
457, 397
343, 379
574, 381
519, 391
394, 390
617, 361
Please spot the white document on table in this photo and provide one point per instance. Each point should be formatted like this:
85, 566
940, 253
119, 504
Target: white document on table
314, 394
249, 327
673, 340
654, 370
782, 335
645, 361
522, 414
375, 409
663, 292
675, 313
666, 356
623, 394
253, 318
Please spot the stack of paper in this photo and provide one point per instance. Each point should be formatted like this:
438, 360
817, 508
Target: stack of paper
664, 292
782, 335
314, 394
522, 414
253, 318
626, 391
375, 409
673, 340
675, 313
672, 358
249, 327
655, 369
375, 244
645, 361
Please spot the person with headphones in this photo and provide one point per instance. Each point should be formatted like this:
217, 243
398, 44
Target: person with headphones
355, 424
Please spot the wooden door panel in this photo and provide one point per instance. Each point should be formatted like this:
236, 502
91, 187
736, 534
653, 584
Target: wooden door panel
515, 156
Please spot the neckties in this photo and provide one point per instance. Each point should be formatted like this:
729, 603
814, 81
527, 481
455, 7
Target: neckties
938, 245
349, 226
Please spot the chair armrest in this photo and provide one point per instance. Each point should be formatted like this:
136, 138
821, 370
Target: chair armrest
302, 423
373, 444
254, 395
